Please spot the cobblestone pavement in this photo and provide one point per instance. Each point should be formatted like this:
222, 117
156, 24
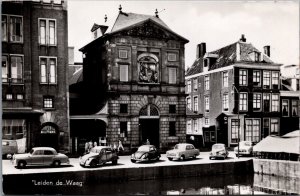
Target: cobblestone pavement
123, 162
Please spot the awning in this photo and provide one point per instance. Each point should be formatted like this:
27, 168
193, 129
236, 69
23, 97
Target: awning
95, 117
22, 111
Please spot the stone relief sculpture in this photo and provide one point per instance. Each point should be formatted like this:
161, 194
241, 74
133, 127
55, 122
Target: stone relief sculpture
148, 68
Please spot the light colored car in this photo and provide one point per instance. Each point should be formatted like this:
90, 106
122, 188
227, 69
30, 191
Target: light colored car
145, 153
183, 151
218, 151
40, 156
99, 155
9, 147
246, 148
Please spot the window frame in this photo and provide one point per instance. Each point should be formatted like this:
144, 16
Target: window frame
269, 99
206, 82
235, 129
10, 27
172, 109
123, 108
124, 78
48, 70
266, 80
243, 79
189, 126
273, 101
47, 32
206, 103
9, 69
241, 105
272, 126
195, 84
225, 102
225, 78
123, 51
257, 78
252, 129
174, 70
6, 27
172, 128
195, 125
189, 86
189, 102
5, 79
282, 107
206, 121
48, 102
170, 54
196, 107
124, 132
297, 108
277, 79
257, 102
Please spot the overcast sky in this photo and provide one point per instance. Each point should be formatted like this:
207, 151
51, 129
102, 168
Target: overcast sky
218, 23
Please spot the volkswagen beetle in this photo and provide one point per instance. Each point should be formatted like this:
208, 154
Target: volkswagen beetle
99, 155
145, 153
218, 151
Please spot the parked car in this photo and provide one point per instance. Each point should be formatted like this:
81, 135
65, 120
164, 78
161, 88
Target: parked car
145, 153
99, 155
183, 151
246, 148
9, 147
40, 156
218, 151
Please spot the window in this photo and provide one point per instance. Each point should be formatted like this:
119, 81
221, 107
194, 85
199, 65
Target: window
189, 104
256, 78
206, 82
20, 96
195, 84
123, 73
205, 62
266, 127
275, 103
172, 109
256, 101
196, 104
196, 126
234, 130
123, 108
294, 108
4, 69
243, 77
172, 56
10, 126
48, 152
207, 136
47, 31
206, 121
206, 103
189, 86
297, 84
172, 128
256, 56
275, 80
123, 129
123, 54
48, 102
4, 28
225, 102
266, 80
172, 75
225, 79
243, 102
266, 99
252, 130
189, 126
16, 28
274, 126
48, 70
9, 96
285, 107
212, 136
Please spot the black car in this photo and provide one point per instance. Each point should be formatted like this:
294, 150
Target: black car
145, 153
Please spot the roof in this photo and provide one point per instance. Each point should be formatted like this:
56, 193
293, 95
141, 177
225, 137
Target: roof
227, 56
289, 143
76, 77
43, 148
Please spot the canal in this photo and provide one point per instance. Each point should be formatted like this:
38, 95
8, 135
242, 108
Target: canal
206, 185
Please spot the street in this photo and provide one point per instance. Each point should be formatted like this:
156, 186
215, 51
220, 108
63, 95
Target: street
123, 162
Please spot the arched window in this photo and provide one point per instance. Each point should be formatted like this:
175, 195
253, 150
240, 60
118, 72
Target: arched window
48, 129
149, 110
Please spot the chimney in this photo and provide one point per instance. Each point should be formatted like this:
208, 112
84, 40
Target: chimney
201, 50
267, 50
243, 39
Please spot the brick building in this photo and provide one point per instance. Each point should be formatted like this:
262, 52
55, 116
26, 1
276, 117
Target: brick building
34, 74
234, 85
132, 85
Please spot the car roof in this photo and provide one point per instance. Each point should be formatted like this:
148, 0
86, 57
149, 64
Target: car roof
184, 144
101, 147
148, 145
43, 148
217, 144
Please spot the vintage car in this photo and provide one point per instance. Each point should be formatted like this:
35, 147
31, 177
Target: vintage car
40, 156
218, 151
145, 153
9, 147
183, 151
246, 148
99, 155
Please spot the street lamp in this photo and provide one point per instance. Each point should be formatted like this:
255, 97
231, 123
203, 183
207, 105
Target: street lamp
238, 93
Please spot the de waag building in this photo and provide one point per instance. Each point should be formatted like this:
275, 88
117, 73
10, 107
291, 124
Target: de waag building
34, 79
131, 87
237, 89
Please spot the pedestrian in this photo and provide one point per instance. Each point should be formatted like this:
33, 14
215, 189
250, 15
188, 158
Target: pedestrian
147, 142
90, 145
95, 144
120, 146
86, 147
115, 147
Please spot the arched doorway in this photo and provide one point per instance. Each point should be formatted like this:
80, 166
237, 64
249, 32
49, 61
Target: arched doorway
49, 135
149, 125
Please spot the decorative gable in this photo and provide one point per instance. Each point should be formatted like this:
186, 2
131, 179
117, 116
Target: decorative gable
148, 29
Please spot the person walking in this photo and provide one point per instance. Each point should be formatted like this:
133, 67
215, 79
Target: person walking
120, 146
147, 142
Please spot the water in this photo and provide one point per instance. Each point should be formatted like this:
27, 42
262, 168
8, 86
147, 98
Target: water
206, 185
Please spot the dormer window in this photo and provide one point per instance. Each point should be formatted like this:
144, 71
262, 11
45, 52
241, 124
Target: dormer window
95, 34
256, 56
205, 62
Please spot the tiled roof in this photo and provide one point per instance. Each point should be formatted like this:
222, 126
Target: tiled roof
125, 20
227, 56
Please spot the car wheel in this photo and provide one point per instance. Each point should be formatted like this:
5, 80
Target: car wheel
56, 163
115, 162
93, 163
182, 157
21, 164
170, 159
195, 156
209, 158
133, 161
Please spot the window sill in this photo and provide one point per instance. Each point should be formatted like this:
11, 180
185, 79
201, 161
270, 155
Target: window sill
49, 109
53, 84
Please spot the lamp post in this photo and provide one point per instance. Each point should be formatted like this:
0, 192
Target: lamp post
238, 93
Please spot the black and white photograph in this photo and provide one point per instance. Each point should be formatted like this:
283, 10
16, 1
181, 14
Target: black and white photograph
163, 97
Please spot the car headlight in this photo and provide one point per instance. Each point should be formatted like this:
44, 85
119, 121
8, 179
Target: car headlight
132, 156
144, 156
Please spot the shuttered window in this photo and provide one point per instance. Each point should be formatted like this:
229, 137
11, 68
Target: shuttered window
172, 75
124, 73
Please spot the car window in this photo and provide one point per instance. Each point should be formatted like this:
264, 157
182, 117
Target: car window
187, 148
5, 143
38, 152
48, 152
217, 147
192, 147
179, 147
143, 149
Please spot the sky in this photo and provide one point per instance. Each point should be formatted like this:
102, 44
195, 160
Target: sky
217, 23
